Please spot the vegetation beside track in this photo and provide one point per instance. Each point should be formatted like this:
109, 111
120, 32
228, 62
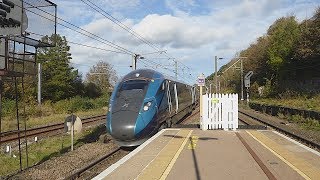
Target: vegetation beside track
47, 148
50, 112
303, 103
298, 102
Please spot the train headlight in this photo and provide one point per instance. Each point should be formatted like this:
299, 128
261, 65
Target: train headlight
109, 109
146, 106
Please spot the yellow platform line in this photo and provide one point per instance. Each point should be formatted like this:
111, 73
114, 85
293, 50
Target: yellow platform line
167, 171
301, 166
160, 164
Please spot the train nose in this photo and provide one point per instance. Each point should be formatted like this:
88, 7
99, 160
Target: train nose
123, 124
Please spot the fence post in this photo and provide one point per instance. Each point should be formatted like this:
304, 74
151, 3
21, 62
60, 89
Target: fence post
205, 112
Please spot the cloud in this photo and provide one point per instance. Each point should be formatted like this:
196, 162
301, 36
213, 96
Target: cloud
179, 32
193, 31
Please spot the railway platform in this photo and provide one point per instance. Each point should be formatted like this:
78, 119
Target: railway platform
216, 154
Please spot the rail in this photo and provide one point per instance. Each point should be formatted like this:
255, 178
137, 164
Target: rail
14, 135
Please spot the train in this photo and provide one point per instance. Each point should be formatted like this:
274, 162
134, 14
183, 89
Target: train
145, 101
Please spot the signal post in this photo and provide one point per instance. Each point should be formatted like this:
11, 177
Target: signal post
201, 83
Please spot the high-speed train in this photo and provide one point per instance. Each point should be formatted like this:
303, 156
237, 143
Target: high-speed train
145, 101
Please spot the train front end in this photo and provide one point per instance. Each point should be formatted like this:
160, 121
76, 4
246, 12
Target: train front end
131, 119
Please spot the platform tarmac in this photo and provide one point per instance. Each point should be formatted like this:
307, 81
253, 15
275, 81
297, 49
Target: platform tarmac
216, 154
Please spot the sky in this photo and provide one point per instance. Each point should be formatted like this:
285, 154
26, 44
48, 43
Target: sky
191, 32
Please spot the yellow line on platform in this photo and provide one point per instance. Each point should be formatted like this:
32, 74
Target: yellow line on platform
161, 162
300, 165
167, 171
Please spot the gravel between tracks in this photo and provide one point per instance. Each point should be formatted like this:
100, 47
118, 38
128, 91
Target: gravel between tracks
62, 166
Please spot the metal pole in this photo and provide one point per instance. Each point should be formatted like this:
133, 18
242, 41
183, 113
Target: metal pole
215, 69
72, 131
200, 102
247, 95
39, 83
135, 61
0, 107
241, 79
176, 68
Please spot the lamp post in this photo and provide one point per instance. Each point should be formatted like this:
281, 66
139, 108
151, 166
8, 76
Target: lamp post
216, 71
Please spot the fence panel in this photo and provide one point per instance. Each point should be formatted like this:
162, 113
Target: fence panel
220, 111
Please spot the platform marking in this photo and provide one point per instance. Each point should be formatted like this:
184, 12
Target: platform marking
297, 143
193, 143
114, 166
263, 167
298, 162
158, 165
155, 156
173, 161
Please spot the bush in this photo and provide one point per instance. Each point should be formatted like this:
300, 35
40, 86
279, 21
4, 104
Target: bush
8, 107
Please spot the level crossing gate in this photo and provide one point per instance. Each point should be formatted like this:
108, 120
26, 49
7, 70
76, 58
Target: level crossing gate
219, 111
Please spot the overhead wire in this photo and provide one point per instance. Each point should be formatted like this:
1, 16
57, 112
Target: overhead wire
92, 36
128, 29
120, 24
84, 45
98, 38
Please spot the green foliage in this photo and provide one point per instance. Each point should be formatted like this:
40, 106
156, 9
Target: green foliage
80, 104
103, 76
283, 34
307, 48
8, 107
285, 60
91, 90
60, 81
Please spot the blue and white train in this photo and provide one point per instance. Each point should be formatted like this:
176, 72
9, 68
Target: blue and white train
145, 101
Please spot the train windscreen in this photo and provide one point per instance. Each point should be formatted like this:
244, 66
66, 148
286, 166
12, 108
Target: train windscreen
130, 95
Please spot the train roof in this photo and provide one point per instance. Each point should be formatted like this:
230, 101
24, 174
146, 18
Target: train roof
149, 73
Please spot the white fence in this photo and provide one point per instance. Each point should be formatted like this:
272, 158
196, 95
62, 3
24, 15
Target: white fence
219, 111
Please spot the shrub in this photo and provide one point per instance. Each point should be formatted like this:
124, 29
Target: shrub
8, 107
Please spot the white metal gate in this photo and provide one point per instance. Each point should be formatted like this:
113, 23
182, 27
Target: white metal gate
219, 111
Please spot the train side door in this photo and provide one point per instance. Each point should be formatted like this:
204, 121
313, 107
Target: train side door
164, 103
169, 97
176, 97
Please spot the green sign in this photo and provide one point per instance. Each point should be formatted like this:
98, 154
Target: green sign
215, 100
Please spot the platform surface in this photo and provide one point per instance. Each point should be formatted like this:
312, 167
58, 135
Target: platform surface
195, 154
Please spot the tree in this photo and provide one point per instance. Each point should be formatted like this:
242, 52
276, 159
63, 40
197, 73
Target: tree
307, 48
102, 75
283, 34
59, 79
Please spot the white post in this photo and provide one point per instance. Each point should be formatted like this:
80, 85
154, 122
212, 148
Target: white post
72, 130
39, 83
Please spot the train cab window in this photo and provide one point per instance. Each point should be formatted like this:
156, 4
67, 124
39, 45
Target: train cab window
133, 87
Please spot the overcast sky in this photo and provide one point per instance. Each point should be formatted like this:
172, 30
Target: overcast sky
192, 31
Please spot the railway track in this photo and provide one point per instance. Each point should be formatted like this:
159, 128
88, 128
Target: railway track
294, 135
96, 167
14, 135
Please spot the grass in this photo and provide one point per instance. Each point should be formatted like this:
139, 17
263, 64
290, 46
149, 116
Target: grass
302, 102
10, 123
46, 149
